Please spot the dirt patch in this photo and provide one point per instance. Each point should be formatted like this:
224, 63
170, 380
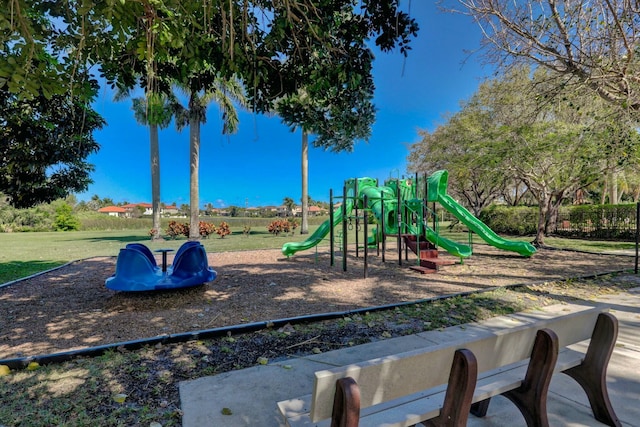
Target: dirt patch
70, 308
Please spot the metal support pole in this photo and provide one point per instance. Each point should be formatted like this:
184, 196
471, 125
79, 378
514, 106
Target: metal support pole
331, 229
399, 210
382, 222
365, 212
355, 203
344, 228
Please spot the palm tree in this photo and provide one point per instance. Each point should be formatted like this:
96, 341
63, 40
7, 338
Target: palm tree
224, 92
154, 110
289, 204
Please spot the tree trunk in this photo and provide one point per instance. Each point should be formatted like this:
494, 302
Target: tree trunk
304, 228
613, 198
552, 215
542, 219
194, 160
154, 149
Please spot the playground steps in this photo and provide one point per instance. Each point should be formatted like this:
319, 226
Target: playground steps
436, 263
427, 253
423, 270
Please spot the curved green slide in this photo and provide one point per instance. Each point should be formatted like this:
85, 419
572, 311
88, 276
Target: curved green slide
291, 248
375, 196
437, 189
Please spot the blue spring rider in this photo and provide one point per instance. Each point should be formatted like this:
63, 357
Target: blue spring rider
137, 270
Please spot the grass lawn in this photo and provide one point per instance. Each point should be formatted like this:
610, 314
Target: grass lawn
24, 254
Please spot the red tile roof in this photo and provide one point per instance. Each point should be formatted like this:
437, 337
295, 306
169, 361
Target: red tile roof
110, 209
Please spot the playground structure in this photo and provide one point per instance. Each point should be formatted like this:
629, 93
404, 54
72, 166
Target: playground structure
399, 211
137, 270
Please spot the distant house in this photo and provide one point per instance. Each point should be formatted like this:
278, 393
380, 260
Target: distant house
316, 210
170, 210
146, 208
313, 211
284, 211
253, 212
114, 211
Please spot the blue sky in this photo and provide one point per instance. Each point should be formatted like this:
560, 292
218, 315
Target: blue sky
260, 165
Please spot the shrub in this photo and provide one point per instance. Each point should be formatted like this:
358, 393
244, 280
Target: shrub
516, 221
282, 226
65, 220
223, 229
174, 229
207, 228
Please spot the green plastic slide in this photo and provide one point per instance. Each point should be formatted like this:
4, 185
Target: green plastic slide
437, 189
291, 248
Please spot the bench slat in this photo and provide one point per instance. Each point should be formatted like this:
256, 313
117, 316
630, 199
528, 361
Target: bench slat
426, 404
407, 373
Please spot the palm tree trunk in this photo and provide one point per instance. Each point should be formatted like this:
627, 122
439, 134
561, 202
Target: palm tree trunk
194, 196
154, 149
304, 228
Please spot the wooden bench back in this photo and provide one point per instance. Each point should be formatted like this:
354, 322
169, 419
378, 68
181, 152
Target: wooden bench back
392, 377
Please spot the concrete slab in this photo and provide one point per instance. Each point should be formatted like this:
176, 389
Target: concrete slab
248, 397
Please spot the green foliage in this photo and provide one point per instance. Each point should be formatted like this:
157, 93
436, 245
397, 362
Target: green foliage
45, 144
65, 220
515, 221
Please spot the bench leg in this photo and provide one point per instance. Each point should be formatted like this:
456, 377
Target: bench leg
460, 388
531, 396
346, 404
479, 409
592, 373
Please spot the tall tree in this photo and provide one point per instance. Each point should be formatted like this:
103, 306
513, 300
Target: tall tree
554, 145
588, 43
225, 92
45, 144
289, 204
269, 46
334, 91
461, 146
154, 111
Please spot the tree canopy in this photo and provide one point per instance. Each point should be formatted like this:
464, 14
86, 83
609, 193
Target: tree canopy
45, 145
266, 44
275, 48
588, 43
555, 145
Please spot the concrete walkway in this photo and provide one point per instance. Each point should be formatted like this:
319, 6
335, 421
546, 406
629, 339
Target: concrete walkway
250, 395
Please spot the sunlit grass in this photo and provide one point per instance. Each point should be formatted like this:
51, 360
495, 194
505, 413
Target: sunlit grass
24, 254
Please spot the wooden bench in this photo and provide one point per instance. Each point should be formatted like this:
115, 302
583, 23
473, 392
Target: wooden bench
437, 385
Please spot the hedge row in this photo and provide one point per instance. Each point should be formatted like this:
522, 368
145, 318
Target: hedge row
585, 221
515, 221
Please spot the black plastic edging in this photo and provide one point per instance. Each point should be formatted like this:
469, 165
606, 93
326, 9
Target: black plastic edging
23, 362
13, 282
